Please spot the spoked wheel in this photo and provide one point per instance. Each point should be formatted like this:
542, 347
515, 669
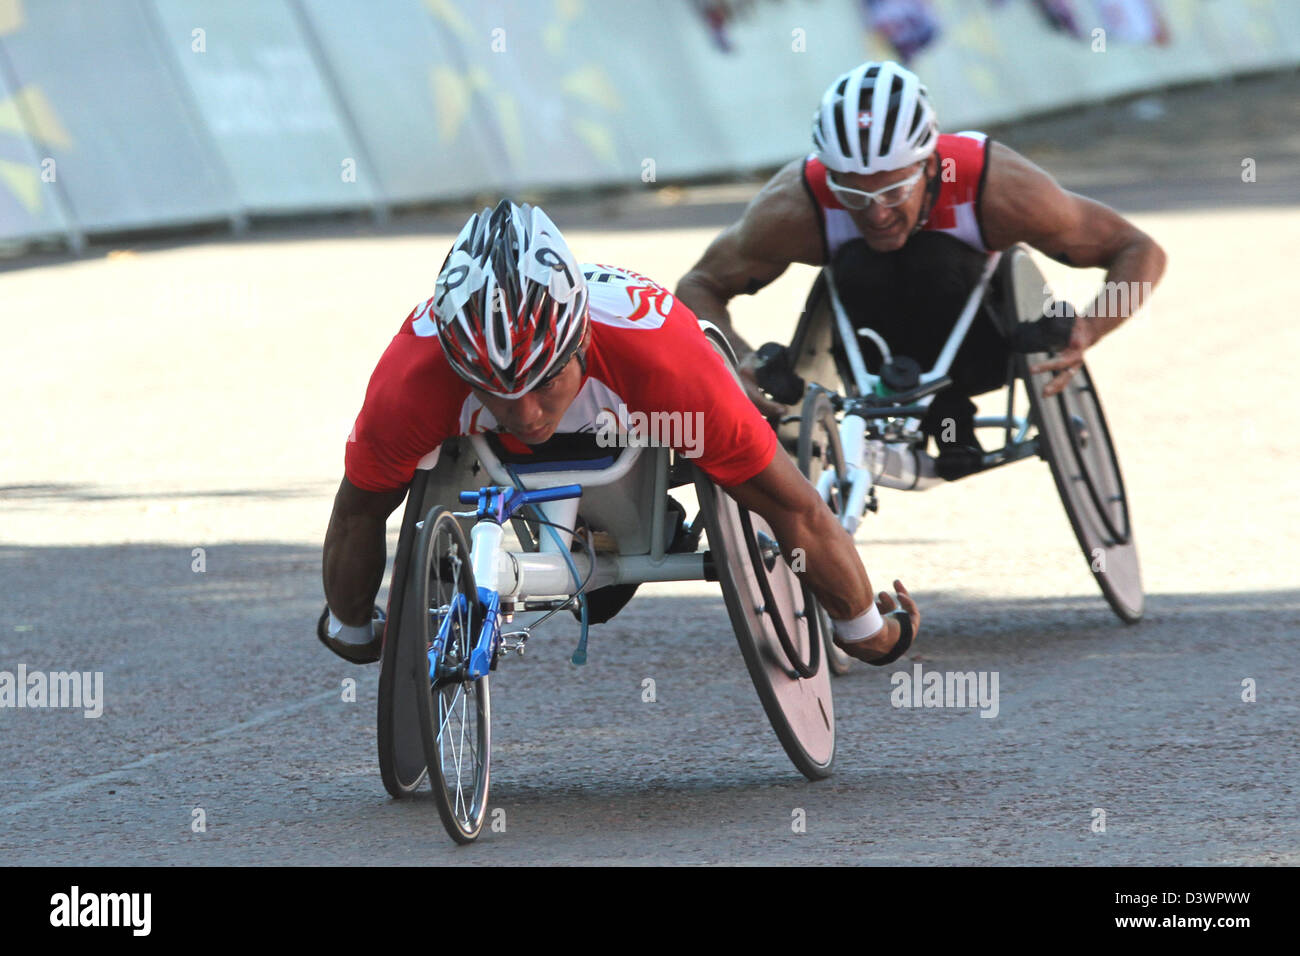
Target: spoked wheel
775, 624
821, 459
455, 713
1075, 441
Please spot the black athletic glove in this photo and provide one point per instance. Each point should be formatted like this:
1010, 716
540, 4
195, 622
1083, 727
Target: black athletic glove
1051, 333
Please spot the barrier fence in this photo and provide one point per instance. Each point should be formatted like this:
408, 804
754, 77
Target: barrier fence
151, 114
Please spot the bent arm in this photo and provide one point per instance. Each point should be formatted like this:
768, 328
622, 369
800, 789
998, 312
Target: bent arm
805, 526
778, 227
355, 550
1022, 203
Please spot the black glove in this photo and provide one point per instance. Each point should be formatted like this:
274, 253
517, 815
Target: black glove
775, 374
1048, 334
366, 653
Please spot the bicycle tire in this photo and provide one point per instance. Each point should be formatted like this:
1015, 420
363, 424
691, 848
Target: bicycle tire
447, 709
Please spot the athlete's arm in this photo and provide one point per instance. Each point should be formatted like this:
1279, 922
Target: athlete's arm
833, 569
778, 227
355, 550
1023, 203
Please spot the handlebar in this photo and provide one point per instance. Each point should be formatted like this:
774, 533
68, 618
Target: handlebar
558, 493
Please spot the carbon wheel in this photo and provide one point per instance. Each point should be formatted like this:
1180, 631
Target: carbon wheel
765, 598
1075, 441
401, 746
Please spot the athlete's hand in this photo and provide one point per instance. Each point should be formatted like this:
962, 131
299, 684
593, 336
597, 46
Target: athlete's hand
882, 644
749, 381
886, 604
1068, 361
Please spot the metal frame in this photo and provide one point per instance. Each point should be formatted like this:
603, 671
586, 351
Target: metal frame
867, 448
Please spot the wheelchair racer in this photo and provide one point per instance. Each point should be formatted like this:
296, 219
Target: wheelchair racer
519, 339
906, 216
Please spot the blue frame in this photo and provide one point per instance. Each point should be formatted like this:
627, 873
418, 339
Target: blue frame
497, 504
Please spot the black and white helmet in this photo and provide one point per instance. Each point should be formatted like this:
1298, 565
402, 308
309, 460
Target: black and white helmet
874, 118
510, 302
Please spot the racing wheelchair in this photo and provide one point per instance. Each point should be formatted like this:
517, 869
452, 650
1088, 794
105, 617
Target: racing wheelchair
464, 597
857, 430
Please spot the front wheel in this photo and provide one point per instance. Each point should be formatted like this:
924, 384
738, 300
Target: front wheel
455, 713
821, 461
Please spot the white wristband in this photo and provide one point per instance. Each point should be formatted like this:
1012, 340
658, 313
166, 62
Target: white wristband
348, 634
865, 625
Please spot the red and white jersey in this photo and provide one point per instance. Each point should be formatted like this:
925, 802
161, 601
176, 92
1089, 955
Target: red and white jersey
956, 211
647, 355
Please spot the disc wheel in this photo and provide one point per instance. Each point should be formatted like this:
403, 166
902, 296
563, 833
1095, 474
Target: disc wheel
401, 745
764, 598
821, 460
799, 708
1075, 441
455, 712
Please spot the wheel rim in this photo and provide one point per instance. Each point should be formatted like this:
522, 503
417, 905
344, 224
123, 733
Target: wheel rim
820, 452
1089, 440
774, 606
1112, 557
458, 746
460, 762
1096, 504
801, 711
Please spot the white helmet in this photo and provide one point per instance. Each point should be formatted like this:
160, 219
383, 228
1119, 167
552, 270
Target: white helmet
510, 302
874, 118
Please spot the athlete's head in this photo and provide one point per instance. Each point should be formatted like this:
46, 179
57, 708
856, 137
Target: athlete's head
875, 132
511, 309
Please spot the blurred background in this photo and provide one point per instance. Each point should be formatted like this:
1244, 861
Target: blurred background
126, 115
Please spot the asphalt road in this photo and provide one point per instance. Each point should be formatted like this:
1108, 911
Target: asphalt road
180, 395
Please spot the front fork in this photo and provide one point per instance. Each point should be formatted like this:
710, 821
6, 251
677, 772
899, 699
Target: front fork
495, 505
486, 537
480, 655
853, 436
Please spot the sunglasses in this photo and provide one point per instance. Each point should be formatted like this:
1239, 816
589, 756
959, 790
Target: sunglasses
892, 195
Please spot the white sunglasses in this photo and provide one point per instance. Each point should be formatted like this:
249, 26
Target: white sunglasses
892, 195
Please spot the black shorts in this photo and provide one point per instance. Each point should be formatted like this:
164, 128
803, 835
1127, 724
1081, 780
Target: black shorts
912, 298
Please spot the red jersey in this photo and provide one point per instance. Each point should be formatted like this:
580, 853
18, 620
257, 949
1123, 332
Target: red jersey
647, 354
956, 210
